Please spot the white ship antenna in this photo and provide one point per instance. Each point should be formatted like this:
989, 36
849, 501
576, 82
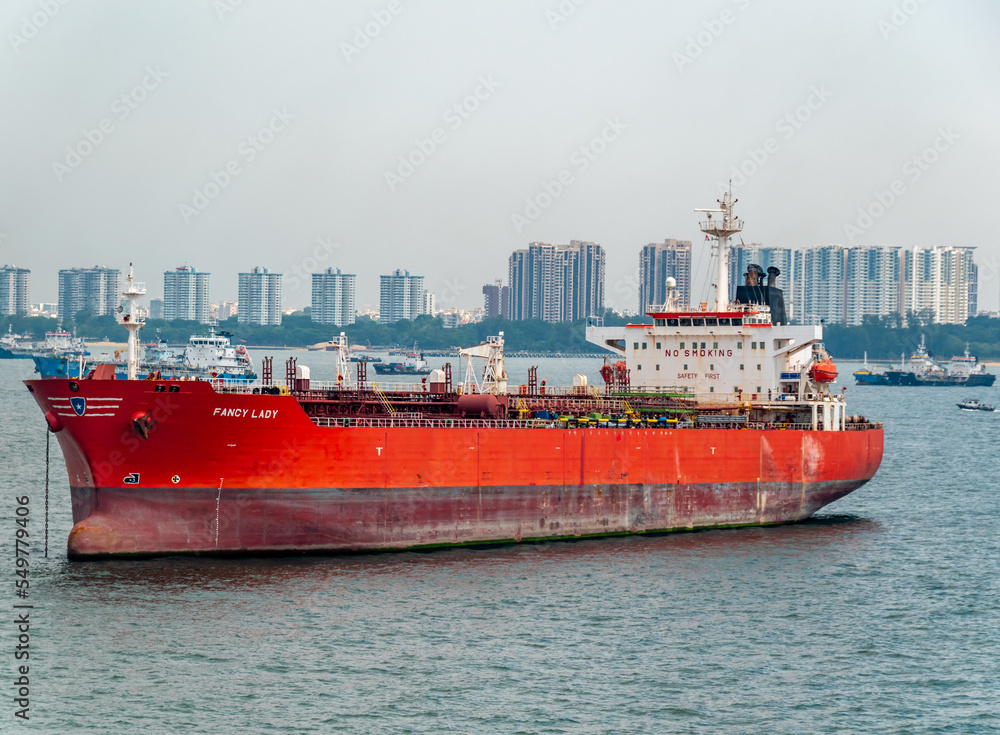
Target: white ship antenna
344, 378
721, 230
132, 322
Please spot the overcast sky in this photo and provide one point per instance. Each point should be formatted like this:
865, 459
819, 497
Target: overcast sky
440, 136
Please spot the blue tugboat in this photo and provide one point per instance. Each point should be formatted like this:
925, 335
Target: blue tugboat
864, 376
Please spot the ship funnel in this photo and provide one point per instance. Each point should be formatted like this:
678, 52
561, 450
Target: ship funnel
772, 276
754, 275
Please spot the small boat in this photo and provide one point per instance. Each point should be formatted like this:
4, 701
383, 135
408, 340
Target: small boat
973, 404
12, 346
413, 364
866, 376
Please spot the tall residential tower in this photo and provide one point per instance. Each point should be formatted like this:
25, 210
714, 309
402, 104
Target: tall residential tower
185, 295
333, 297
260, 297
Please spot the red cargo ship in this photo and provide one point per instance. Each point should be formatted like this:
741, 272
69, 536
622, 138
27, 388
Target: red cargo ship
734, 430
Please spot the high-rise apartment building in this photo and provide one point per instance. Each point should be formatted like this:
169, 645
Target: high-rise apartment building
973, 278
260, 297
942, 280
156, 308
557, 283
15, 290
333, 296
496, 300
659, 261
874, 284
820, 280
841, 284
401, 297
96, 289
185, 295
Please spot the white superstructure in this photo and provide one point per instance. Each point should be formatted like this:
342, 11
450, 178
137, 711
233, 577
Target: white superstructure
731, 354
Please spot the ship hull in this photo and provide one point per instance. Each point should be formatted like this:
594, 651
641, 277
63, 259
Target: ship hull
910, 380
6, 354
252, 474
863, 378
168, 521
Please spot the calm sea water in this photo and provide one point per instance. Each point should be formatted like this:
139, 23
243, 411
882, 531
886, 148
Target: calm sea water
881, 615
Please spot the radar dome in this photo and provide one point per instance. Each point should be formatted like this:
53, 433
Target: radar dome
671, 282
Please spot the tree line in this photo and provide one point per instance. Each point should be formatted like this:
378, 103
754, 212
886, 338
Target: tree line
882, 338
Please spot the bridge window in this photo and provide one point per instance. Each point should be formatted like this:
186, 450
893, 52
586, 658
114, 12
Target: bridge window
660, 322
737, 321
698, 322
685, 322
672, 323
711, 322
723, 322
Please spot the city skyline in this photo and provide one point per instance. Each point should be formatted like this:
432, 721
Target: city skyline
831, 283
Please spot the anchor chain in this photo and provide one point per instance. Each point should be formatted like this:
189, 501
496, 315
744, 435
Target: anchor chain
47, 432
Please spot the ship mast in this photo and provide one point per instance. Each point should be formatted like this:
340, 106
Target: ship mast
132, 322
720, 230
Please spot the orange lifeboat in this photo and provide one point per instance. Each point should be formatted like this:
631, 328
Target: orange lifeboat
823, 371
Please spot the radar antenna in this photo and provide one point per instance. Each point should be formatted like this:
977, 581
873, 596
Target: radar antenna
720, 230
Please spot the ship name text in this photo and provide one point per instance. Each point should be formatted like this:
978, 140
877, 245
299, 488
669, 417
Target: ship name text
240, 413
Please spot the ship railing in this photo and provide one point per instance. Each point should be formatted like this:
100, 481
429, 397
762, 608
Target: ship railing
418, 421
235, 385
